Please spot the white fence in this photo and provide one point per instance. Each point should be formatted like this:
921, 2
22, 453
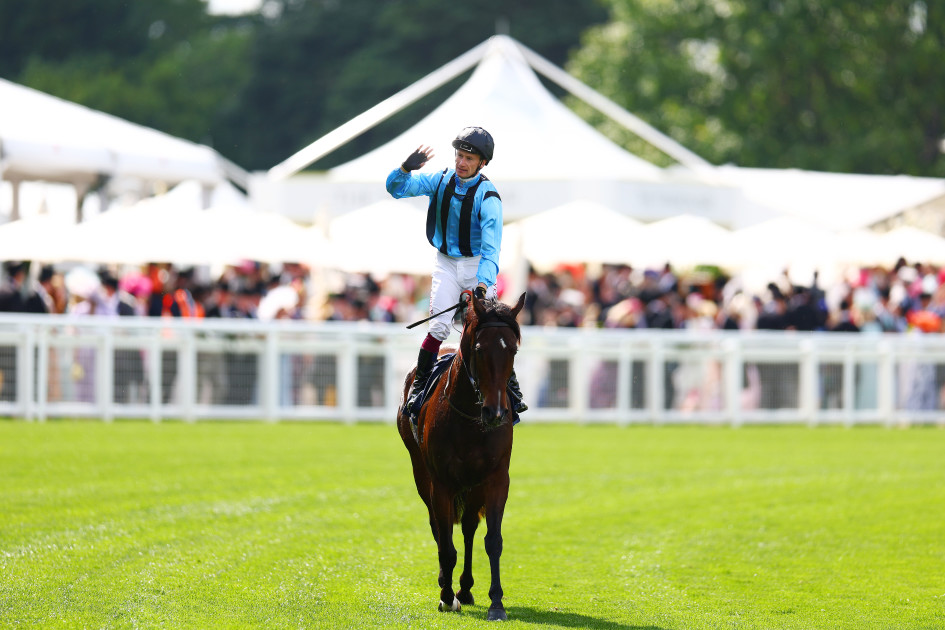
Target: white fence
110, 368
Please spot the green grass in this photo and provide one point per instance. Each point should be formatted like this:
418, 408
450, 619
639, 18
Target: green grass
226, 525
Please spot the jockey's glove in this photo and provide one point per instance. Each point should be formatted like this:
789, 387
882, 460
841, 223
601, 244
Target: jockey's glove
414, 161
480, 293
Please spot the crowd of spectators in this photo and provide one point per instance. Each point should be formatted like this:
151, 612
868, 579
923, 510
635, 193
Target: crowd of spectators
905, 297
249, 291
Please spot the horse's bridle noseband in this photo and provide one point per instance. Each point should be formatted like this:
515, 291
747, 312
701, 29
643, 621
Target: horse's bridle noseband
472, 374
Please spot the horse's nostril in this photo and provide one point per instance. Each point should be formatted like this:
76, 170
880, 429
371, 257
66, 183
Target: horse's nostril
492, 416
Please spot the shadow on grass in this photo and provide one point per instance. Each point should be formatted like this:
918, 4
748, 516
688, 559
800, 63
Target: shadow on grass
526, 614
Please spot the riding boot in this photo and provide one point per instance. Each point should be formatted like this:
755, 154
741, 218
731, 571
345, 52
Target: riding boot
515, 394
425, 362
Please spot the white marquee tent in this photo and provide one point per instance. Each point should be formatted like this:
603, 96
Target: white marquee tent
175, 228
545, 154
388, 236
505, 96
46, 138
913, 244
35, 238
836, 201
685, 241
577, 231
531, 126
775, 244
537, 137
247, 234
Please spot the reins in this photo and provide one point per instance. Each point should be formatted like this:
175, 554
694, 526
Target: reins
470, 374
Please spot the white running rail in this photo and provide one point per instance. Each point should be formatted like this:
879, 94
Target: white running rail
117, 368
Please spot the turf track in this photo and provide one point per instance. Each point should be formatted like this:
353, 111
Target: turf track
239, 525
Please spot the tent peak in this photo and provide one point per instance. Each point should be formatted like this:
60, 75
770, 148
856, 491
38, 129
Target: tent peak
503, 57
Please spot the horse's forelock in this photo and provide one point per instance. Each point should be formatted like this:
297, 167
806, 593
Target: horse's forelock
503, 312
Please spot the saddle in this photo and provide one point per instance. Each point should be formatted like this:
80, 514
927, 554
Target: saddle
439, 369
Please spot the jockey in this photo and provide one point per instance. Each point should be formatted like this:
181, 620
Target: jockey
464, 224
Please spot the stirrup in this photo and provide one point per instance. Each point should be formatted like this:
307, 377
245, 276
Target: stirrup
515, 397
413, 419
515, 394
414, 427
413, 403
414, 400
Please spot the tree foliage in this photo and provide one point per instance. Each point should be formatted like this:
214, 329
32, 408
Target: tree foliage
258, 88
317, 64
162, 63
830, 85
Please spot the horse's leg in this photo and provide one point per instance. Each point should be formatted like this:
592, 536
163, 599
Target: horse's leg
422, 479
474, 502
442, 502
436, 539
497, 493
421, 475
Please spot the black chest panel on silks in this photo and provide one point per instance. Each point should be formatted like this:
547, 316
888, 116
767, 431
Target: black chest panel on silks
438, 213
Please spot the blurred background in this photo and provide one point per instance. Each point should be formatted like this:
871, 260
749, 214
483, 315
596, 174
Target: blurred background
731, 111
709, 165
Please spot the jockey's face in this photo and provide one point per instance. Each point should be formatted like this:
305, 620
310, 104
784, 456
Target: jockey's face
468, 164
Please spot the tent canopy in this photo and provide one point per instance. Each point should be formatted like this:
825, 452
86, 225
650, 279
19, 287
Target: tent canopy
173, 228
37, 238
47, 138
388, 236
837, 201
537, 137
531, 126
577, 231
505, 96
538, 140
776, 244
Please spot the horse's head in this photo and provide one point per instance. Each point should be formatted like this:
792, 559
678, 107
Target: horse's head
491, 336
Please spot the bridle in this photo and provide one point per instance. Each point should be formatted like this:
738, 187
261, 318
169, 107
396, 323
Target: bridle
470, 367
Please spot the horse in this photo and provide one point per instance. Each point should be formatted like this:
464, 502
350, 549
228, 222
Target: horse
463, 447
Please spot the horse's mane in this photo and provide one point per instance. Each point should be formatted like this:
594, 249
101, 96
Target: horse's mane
495, 310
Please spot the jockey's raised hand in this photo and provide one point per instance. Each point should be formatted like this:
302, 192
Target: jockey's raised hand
417, 159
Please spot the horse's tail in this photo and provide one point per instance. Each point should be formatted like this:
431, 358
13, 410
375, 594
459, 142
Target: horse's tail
459, 507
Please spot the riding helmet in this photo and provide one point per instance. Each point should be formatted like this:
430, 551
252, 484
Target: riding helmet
475, 140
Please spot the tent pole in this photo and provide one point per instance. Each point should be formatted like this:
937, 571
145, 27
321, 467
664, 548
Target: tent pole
614, 111
81, 189
15, 212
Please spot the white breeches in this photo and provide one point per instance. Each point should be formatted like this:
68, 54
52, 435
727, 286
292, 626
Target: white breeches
451, 276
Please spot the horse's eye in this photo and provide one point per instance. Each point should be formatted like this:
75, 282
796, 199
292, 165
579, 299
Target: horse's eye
478, 347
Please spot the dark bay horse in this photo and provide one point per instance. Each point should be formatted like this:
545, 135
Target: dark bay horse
461, 462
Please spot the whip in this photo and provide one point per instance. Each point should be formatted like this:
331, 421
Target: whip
462, 301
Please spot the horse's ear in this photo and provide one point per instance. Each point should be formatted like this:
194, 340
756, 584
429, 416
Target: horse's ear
521, 303
477, 306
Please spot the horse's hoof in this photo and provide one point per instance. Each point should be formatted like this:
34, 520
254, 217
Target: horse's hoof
454, 608
497, 614
466, 598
